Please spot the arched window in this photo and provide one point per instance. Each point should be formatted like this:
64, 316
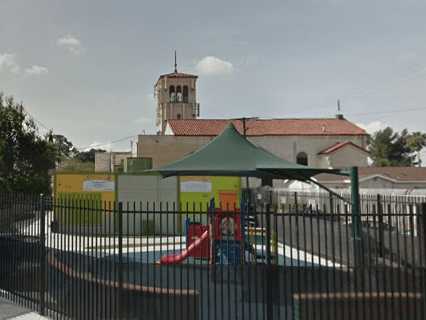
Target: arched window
185, 93
172, 94
179, 93
302, 158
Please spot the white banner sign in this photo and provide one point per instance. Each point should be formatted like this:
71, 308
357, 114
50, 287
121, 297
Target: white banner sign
195, 186
98, 185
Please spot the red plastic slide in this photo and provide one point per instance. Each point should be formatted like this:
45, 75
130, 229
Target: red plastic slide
178, 258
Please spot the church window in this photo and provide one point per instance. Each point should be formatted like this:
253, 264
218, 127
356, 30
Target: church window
172, 94
179, 93
185, 93
302, 158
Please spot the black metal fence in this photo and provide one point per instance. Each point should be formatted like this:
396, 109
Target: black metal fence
304, 258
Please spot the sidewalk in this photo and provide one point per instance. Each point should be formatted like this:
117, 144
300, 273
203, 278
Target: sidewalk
9, 310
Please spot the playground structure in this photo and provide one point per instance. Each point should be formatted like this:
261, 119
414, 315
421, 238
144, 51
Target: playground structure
228, 238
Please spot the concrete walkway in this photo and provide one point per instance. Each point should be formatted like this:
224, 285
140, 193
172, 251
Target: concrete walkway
9, 310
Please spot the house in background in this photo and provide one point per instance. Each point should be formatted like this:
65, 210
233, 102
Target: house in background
398, 180
372, 180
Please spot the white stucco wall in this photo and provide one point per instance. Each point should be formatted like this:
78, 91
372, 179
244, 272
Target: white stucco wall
287, 147
348, 154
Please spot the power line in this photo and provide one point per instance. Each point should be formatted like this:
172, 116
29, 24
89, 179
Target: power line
107, 143
27, 113
81, 148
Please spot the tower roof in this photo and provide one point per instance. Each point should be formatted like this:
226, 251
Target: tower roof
177, 75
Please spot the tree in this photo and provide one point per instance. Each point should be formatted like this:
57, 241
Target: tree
81, 161
390, 148
25, 156
89, 156
416, 142
64, 148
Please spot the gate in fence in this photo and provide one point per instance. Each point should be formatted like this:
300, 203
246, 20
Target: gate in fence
303, 259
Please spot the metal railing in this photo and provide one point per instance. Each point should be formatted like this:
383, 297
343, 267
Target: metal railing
87, 259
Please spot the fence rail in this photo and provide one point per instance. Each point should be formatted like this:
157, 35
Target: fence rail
297, 259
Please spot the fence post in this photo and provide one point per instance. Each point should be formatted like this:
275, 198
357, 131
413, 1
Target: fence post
356, 216
120, 258
381, 225
421, 226
42, 232
269, 293
422, 234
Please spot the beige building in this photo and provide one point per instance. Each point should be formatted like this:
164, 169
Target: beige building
326, 142
110, 161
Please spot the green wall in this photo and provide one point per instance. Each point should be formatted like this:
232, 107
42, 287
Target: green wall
201, 199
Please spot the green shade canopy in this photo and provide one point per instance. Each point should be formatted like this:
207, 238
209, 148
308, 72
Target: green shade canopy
230, 154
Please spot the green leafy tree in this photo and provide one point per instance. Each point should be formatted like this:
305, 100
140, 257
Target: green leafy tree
390, 148
88, 156
64, 148
416, 142
25, 156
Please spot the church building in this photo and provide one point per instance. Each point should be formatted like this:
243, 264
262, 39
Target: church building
319, 142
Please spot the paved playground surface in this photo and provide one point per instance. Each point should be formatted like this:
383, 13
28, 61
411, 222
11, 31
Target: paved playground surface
9, 310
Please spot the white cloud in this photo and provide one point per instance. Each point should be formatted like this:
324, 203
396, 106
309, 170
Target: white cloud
373, 127
8, 63
71, 44
99, 145
36, 71
214, 66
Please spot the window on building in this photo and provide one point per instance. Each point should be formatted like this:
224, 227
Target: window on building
185, 93
179, 93
179, 116
172, 94
302, 158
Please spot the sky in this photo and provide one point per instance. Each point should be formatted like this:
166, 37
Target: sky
86, 69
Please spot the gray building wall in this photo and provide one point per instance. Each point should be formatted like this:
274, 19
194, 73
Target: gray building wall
148, 194
105, 161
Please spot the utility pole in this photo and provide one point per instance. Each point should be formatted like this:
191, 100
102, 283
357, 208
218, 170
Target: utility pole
245, 137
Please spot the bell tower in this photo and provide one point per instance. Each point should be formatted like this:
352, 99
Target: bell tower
176, 95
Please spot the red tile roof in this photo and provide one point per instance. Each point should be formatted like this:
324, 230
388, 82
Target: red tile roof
401, 174
267, 127
340, 145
